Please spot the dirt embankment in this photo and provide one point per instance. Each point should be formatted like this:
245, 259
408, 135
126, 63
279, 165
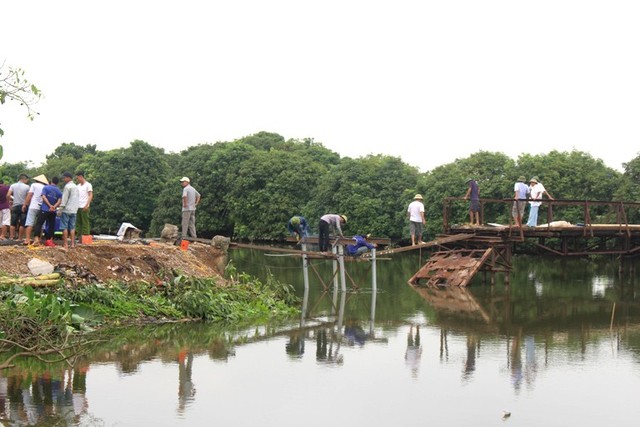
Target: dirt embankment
108, 260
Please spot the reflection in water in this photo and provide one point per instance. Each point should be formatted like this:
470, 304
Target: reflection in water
186, 388
414, 350
520, 345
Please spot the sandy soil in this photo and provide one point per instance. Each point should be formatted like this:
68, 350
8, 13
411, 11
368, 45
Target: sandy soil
109, 260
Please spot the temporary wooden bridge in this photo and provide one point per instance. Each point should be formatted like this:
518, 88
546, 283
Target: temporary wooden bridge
463, 251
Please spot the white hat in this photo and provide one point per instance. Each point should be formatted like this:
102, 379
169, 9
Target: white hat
41, 179
185, 179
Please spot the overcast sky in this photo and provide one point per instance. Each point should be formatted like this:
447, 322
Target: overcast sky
427, 81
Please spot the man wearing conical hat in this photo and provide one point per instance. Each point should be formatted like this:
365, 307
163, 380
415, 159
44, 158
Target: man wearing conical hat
537, 191
32, 204
415, 213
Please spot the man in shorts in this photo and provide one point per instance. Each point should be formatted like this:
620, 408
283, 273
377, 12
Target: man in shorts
415, 213
17, 195
68, 210
32, 204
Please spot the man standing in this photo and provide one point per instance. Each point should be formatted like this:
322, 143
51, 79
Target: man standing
85, 197
415, 213
520, 193
190, 199
473, 193
17, 195
69, 209
5, 211
51, 196
327, 222
537, 190
32, 204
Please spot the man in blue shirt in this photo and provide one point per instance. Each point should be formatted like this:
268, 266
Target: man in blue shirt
360, 246
51, 198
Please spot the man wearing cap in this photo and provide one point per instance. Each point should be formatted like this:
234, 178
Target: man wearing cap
32, 204
327, 222
473, 193
85, 197
69, 210
17, 195
537, 191
415, 213
520, 193
190, 199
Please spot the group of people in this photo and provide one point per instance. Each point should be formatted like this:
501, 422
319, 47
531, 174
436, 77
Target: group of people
28, 210
522, 193
298, 226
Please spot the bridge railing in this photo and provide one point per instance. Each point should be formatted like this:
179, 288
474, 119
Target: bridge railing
578, 212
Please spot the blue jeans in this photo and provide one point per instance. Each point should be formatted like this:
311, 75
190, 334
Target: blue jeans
533, 216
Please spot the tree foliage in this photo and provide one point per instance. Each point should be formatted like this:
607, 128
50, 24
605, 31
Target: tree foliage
251, 186
15, 87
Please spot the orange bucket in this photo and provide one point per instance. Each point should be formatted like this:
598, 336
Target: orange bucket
184, 245
86, 239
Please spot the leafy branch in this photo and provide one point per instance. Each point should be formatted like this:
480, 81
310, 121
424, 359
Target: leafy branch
15, 87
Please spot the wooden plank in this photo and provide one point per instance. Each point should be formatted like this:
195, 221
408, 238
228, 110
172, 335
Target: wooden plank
432, 243
452, 268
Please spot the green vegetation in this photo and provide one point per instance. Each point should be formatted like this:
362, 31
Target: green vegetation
251, 186
48, 321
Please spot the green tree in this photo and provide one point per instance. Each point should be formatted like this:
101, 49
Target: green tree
15, 87
126, 183
371, 191
70, 149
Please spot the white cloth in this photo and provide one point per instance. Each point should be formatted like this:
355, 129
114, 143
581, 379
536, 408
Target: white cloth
36, 199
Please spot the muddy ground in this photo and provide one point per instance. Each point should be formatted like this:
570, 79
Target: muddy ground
102, 261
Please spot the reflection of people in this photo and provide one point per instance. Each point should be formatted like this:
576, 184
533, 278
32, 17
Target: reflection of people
537, 191
295, 346
473, 194
298, 225
360, 246
324, 349
414, 350
415, 213
190, 199
328, 222
470, 363
186, 389
520, 193
354, 334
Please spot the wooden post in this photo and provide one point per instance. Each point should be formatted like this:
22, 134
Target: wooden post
343, 278
374, 278
305, 268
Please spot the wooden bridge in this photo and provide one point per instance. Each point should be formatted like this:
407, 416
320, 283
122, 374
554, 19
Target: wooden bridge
462, 250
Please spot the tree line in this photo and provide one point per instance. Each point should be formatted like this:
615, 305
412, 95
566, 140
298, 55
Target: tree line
251, 186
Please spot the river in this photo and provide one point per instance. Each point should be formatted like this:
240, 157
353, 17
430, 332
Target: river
559, 346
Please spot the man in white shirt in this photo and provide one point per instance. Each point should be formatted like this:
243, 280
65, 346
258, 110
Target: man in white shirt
85, 197
537, 190
415, 213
